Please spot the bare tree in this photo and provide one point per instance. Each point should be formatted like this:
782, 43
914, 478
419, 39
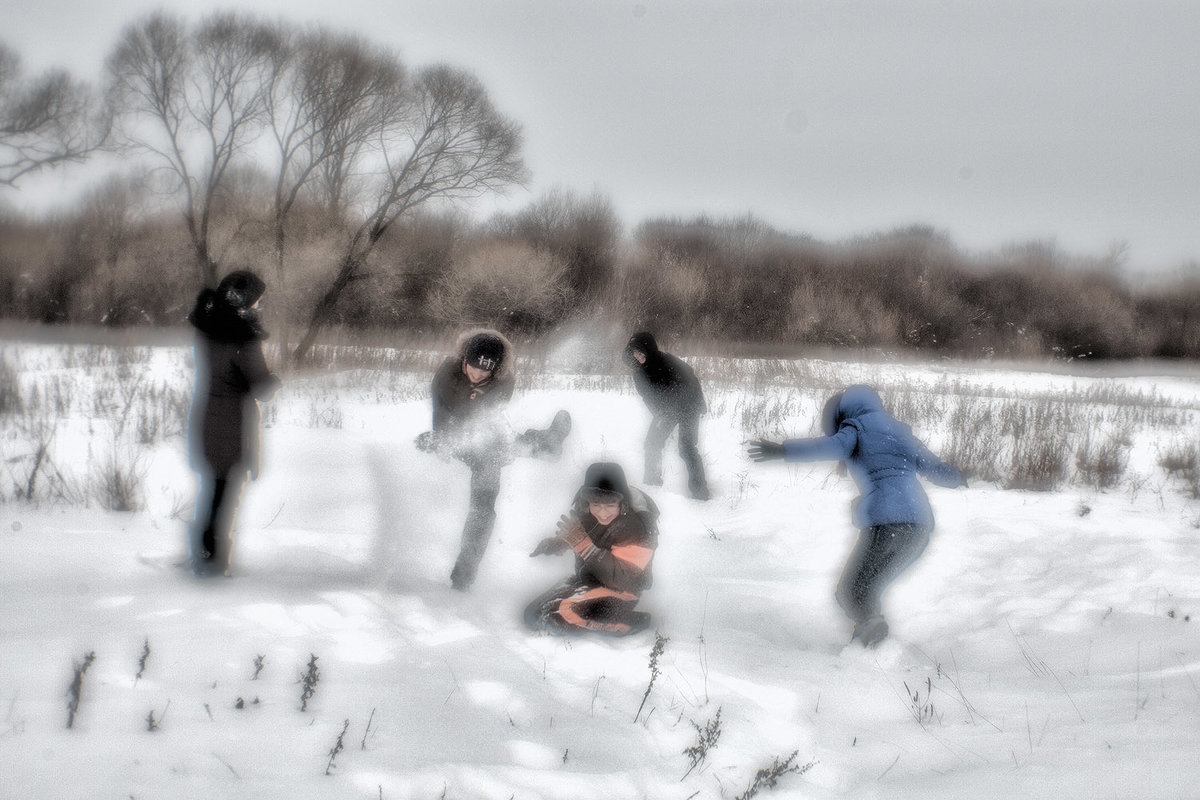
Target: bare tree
449, 143
44, 121
203, 93
331, 97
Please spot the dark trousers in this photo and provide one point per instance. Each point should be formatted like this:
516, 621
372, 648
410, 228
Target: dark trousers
481, 518
882, 553
575, 606
211, 537
689, 448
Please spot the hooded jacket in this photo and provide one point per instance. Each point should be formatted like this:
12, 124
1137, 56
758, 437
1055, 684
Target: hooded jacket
455, 411
665, 382
621, 551
882, 455
231, 374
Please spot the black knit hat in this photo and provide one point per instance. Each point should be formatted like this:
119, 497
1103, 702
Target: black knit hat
484, 351
241, 288
604, 482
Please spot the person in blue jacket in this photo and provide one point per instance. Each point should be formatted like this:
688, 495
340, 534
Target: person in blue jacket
892, 512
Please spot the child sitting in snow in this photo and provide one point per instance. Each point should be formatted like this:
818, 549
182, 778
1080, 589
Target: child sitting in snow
891, 512
612, 528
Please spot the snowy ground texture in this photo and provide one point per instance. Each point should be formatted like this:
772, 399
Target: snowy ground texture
1044, 646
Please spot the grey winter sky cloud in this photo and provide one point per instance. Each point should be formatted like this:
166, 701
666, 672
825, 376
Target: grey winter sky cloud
1071, 120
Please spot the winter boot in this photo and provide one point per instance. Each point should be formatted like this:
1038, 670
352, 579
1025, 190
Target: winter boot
871, 631
557, 433
638, 622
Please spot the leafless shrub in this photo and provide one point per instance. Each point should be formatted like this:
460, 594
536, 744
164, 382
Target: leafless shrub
309, 681
660, 643
768, 777
706, 739
1181, 460
75, 690
511, 286
1102, 464
338, 746
117, 480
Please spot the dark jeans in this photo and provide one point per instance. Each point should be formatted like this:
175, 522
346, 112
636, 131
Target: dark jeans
211, 536
481, 518
689, 438
575, 606
486, 463
882, 553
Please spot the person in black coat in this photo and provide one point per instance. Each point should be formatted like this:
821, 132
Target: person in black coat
672, 392
223, 427
471, 391
613, 530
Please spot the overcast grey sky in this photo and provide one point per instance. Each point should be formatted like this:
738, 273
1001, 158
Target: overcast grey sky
1073, 120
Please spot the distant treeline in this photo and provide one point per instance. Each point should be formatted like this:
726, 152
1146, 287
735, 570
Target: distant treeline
565, 259
328, 165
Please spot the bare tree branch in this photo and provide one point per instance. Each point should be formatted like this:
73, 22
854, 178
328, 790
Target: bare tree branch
203, 94
44, 121
448, 142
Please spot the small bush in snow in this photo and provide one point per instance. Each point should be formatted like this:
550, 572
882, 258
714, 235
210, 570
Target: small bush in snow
75, 690
706, 739
117, 482
660, 643
768, 777
309, 681
1102, 464
142, 659
1182, 461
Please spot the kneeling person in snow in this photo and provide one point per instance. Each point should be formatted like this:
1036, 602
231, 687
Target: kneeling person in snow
891, 512
613, 530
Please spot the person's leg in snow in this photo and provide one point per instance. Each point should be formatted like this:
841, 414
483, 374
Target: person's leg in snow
481, 518
882, 553
211, 546
689, 449
574, 607
656, 439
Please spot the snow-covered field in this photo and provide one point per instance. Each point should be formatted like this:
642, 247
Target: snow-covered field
1044, 646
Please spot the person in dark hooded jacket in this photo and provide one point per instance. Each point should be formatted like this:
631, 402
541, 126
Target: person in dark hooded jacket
223, 427
892, 511
672, 392
470, 392
613, 530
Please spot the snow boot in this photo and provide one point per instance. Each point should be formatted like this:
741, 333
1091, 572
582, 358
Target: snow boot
557, 433
871, 631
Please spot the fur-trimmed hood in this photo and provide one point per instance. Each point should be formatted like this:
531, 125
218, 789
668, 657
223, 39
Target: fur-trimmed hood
507, 368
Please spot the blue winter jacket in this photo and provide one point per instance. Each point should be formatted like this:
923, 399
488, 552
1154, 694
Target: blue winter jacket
882, 455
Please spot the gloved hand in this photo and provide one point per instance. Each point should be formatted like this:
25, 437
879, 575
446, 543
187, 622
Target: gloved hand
550, 546
764, 450
570, 530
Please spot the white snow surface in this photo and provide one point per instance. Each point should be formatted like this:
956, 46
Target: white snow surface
1045, 645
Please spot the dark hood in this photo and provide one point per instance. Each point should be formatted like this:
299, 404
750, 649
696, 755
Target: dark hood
643, 341
218, 320
853, 402
604, 477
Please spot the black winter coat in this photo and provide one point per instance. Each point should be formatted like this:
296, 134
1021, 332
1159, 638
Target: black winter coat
460, 408
665, 382
231, 376
623, 548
